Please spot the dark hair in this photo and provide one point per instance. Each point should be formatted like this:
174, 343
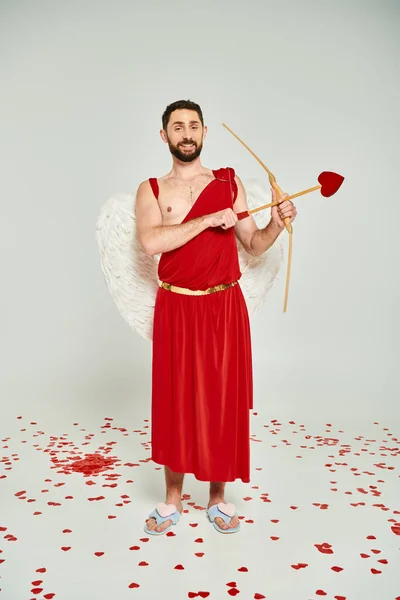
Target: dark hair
181, 104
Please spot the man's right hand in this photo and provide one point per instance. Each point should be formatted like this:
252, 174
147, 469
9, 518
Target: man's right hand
223, 218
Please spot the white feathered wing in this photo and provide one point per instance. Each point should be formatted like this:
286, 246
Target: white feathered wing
131, 275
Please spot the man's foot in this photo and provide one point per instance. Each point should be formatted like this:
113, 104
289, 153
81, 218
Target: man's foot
152, 523
234, 522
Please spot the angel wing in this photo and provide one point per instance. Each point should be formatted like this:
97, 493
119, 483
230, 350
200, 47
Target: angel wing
131, 275
258, 272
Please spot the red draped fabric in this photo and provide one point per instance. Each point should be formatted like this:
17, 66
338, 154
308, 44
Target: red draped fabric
202, 383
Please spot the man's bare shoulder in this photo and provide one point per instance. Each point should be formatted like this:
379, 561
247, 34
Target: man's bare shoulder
144, 185
144, 190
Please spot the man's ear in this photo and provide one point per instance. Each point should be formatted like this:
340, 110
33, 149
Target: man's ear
163, 136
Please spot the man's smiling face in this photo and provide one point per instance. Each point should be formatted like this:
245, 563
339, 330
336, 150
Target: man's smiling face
185, 134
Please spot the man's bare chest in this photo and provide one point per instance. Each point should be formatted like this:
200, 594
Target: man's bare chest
177, 197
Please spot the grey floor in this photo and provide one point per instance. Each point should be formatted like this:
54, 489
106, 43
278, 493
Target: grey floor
319, 519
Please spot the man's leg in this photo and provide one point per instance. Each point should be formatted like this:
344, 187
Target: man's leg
217, 489
174, 483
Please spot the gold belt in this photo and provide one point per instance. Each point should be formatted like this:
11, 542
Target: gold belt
188, 292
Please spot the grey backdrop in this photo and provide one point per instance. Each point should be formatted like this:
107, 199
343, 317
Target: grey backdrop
310, 86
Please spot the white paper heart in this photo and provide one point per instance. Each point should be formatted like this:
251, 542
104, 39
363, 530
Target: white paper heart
228, 509
165, 510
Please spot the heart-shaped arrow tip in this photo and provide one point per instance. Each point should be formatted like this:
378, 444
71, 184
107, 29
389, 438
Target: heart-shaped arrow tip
330, 183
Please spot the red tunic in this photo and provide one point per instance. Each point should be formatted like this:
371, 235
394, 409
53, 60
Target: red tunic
202, 381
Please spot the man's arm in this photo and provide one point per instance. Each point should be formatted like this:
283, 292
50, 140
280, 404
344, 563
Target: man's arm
255, 240
263, 239
153, 236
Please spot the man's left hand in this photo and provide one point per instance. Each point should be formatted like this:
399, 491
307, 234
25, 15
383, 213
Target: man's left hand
284, 209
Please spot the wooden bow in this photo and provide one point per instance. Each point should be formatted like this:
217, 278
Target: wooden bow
289, 228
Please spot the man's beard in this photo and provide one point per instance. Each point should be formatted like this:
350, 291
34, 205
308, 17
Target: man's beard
184, 155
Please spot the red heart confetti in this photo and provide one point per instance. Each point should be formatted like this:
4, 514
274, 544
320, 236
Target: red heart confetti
375, 572
99, 553
233, 592
243, 569
204, 594
324, 548
337, 569
179, 567
396, 529
133, 585
49, 596
320, 593
65, 548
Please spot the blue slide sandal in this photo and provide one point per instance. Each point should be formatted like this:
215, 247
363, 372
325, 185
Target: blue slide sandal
162, 513
226, 512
